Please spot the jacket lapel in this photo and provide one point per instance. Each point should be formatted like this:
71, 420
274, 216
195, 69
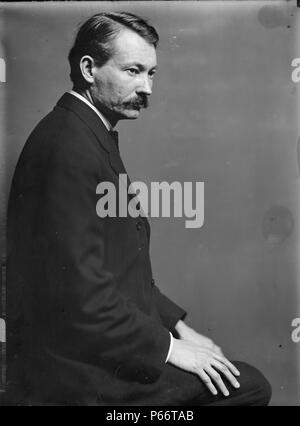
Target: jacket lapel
90, 118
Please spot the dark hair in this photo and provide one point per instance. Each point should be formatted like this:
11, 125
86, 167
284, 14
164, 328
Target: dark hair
96, 34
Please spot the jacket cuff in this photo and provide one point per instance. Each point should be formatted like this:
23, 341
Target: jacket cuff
171, 347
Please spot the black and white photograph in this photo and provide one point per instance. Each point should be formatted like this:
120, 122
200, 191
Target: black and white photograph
149, 205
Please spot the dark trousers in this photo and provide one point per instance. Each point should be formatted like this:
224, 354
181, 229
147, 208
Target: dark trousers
179, 388
255, 390
188, 390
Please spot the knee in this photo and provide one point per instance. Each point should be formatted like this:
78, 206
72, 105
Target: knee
254, 384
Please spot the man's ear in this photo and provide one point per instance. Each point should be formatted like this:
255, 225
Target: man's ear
87, 64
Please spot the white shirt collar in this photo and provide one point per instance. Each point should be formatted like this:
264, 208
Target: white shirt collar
100, 115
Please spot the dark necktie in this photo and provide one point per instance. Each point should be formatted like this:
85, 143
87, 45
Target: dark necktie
115, 135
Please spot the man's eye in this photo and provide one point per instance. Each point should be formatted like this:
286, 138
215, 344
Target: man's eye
152, 74
133, 71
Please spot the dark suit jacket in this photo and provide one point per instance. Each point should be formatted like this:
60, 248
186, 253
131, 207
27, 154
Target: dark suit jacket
86, 323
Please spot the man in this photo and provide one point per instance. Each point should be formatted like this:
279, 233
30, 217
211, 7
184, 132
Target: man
87, 324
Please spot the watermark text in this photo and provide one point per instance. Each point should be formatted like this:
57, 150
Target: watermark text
296, 72
162, 199
2, 331
296, 331
2, 71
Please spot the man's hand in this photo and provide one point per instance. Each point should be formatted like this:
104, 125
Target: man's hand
205, 363
187, 333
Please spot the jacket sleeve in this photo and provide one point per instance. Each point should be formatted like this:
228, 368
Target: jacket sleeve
90, 320
169, 311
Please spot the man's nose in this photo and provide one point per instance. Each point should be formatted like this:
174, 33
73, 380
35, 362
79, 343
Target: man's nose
145, 86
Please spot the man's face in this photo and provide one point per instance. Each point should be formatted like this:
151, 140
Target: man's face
122, 85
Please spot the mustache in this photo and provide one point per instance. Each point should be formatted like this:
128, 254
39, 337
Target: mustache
141, 101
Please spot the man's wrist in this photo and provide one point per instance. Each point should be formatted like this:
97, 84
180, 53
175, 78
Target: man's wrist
181, 328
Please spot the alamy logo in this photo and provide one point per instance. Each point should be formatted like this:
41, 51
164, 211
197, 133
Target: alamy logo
2, 331
2, 71
296, 331
162, 199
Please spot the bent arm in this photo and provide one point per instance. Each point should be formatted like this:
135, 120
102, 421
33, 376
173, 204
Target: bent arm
90, 319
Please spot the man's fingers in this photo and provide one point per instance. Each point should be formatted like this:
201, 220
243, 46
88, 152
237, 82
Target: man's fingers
216, 377
207, 381
228, 364
226, 372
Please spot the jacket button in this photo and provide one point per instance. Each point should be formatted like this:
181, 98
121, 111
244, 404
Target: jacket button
138, 226
152, 282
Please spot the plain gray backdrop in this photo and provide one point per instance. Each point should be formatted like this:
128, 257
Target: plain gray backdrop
223, 111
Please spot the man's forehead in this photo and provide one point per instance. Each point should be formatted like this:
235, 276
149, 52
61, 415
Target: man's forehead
130, 47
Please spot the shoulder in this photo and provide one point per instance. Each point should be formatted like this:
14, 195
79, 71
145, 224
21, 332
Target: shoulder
63, 135
60, 141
